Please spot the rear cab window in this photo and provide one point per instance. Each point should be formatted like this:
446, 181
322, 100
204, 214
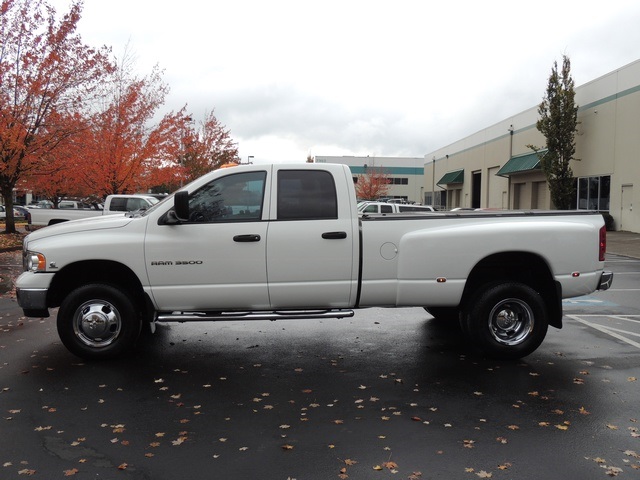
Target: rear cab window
306, 195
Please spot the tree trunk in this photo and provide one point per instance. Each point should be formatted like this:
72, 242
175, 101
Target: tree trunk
10, 222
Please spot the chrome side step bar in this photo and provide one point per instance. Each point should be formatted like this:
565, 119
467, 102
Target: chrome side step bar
260, 315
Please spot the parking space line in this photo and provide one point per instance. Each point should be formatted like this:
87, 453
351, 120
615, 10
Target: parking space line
605, 330
626, 332
626, 318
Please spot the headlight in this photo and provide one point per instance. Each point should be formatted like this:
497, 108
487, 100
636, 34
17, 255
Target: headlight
34, 262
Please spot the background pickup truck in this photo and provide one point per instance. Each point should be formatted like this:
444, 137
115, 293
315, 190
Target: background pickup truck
68, 210
384, 207
266, 242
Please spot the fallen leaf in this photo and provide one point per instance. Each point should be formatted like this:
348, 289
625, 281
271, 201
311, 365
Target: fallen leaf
122, 466
613, 471
483, 474
287, 447
69, 473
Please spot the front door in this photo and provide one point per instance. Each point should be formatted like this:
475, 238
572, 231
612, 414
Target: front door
216, 260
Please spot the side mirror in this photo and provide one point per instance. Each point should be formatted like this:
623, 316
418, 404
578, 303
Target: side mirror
181, 205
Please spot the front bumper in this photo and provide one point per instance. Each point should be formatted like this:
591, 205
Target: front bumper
33, 302
31, 293
605, 280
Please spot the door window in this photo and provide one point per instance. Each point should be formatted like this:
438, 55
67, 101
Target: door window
306, 195
234, 198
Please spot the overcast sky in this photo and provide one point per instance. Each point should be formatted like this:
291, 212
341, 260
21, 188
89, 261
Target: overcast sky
352, 77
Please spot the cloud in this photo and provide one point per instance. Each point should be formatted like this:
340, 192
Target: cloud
289, 78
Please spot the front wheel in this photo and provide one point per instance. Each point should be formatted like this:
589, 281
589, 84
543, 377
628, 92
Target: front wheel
506, 320
98, 322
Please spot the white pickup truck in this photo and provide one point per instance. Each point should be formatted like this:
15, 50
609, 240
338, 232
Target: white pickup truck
266, 242
384, 207
68, 210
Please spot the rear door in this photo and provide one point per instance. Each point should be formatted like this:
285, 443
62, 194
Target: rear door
312, 240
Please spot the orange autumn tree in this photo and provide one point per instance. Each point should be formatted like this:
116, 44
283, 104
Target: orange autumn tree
125, 146
207, 148
47, 77
372, 184
57, 176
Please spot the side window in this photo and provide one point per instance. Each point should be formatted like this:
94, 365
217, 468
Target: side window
234, 198
370, 209
118, 204
386, 208
306, 194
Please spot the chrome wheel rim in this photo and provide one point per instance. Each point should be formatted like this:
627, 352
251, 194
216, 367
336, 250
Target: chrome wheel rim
511, 322
97, 323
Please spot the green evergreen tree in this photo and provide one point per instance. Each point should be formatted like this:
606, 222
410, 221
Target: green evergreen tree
558, 122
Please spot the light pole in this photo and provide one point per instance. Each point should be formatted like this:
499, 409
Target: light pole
249, 158
433, 182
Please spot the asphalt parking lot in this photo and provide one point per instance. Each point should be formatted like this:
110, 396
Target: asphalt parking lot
386, 394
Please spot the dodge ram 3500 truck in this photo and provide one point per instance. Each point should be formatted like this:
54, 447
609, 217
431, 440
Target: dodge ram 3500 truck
266, 242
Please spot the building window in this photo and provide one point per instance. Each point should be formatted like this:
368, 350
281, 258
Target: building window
398, 181
594, 193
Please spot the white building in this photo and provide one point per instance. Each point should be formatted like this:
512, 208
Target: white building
494, 168
406, 174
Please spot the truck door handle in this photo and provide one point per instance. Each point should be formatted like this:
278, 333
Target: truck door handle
334, 235
252, 237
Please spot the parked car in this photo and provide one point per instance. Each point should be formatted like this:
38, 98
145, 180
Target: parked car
19, 212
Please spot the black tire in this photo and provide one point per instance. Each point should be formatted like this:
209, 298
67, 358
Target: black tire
97, 322
506, 320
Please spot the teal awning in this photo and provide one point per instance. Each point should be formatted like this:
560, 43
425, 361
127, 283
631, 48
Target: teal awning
521, 164
455, 177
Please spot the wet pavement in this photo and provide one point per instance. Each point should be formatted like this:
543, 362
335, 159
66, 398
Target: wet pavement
390, 393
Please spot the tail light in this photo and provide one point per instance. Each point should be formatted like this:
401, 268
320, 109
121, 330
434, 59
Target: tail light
603, 243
